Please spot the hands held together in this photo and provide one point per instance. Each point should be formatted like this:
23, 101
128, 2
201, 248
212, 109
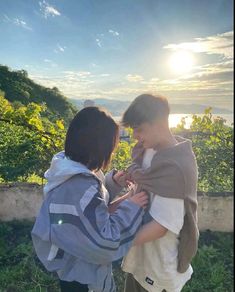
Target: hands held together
123, 179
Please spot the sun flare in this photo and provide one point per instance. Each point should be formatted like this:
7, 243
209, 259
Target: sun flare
181, 62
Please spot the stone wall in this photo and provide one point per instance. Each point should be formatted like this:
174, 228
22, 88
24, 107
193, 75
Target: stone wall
19, 201
215, 212
22, 201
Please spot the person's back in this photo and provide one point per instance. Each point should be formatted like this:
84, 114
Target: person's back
167, 168
75, 235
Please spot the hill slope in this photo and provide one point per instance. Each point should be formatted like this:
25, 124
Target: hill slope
19, 88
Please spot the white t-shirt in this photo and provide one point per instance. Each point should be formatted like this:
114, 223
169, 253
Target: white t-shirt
154, 264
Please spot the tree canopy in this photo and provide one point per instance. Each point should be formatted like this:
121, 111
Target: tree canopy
17, 87
29, 140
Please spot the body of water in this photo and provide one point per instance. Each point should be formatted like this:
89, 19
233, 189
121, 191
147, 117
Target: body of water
174, 119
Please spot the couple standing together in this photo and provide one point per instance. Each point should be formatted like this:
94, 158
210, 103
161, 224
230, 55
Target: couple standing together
83, 226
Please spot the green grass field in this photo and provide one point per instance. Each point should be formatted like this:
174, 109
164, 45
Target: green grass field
20, 270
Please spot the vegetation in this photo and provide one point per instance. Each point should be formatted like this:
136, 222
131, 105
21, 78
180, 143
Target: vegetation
21, 271
21, 90
213, 144
33, 121
30, 140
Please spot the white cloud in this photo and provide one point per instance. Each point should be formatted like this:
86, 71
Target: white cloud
214, 79
134, 78
98, 42
6, 18
83, 84
109, 40
59, 49
48, 10
16, 21
114, 33
221, 44
94, 65
212, 71
50, 62
104, 75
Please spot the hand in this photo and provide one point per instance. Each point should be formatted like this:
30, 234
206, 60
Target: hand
141, 199
120, 178
114, 204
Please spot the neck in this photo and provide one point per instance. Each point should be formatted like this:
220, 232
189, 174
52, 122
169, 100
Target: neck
167, 141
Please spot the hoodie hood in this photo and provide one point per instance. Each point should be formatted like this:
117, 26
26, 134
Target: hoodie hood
61, 169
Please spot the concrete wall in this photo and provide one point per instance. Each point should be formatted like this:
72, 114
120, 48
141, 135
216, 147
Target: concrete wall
216, 212
22, 201
19, 201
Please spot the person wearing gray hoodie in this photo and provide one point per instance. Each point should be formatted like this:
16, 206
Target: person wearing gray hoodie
75, 233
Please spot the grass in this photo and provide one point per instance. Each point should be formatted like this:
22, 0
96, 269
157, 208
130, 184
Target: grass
20, 270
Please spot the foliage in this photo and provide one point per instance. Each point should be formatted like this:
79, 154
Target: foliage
29, 140
19, 88
213, 264
213, 145
122, 156
21, 271
212, 142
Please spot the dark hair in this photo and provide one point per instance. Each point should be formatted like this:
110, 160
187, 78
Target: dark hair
146, 108
91, 138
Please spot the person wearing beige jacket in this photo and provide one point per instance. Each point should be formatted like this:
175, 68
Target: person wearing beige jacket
165, 166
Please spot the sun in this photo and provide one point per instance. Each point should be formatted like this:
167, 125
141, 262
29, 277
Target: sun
181, 62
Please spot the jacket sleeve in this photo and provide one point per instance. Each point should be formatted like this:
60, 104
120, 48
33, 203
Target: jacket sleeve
87, 231
113, 188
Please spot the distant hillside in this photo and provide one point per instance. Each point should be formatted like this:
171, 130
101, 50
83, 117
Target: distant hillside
19, 88
117, 107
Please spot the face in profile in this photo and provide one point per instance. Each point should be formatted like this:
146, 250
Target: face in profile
146, 134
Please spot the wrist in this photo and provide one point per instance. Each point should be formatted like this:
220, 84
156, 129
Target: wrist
114, 179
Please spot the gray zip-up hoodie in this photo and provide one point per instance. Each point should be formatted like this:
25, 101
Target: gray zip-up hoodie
74, 235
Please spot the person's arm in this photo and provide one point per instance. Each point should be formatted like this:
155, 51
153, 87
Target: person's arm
149, 232
87, 231
111, 184
115, 203
167, 214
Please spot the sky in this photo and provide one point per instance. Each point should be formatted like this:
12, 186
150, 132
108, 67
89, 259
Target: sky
182, 49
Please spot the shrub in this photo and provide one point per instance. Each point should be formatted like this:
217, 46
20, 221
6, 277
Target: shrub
21, 271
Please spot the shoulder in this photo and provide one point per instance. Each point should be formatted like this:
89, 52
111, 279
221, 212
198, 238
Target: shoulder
83, 178
171, 203
73, 189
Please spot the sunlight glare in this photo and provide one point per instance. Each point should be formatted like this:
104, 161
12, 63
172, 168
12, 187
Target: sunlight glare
181, 62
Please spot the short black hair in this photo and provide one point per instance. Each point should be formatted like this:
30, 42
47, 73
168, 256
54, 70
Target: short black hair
146, 108
91, 138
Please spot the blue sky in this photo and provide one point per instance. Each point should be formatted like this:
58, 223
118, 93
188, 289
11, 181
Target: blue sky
182, 49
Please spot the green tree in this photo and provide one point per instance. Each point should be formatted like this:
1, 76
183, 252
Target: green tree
122, 157
18, 87
28, 140
213, 146
212, 142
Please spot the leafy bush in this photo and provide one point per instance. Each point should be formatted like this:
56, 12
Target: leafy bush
213, 144
29, 141
21, 271
18, 88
